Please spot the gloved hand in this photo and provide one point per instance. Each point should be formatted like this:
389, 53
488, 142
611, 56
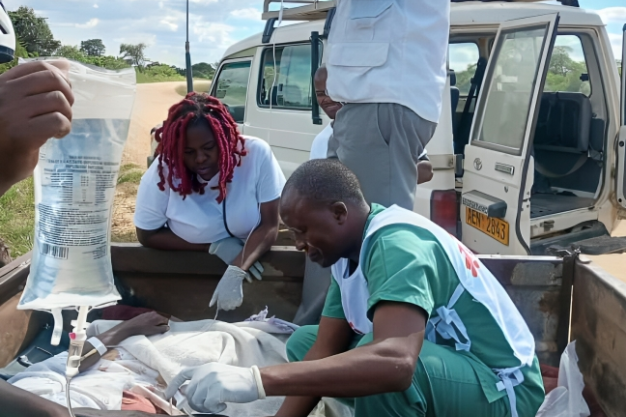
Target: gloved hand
215, 384
229, 292
228, 249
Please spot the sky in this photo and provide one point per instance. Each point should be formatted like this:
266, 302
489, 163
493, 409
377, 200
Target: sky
214, 24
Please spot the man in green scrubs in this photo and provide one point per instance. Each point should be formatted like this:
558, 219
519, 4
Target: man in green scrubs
401, 272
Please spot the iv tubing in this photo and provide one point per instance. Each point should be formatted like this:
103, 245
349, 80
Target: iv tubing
74, 354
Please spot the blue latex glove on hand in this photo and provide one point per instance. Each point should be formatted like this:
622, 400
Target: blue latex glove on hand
228, 249
213, 385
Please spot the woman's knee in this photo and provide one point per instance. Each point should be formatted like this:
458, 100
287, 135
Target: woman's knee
300, 342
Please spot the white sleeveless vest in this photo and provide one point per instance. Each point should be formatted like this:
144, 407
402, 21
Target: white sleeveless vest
474, 278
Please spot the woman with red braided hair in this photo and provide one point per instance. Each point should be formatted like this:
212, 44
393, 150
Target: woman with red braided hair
211, 189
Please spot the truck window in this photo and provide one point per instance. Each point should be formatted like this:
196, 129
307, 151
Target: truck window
462, 59
505, 112
232, 86
568, 69
292, 85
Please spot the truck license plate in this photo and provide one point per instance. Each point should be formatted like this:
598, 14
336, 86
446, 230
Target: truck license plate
496, 228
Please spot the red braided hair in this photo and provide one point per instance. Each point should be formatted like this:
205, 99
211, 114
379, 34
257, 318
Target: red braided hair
171, 138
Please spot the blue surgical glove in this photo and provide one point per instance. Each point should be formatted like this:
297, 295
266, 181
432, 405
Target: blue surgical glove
228, 249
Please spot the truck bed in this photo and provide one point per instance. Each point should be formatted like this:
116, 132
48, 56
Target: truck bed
181, 284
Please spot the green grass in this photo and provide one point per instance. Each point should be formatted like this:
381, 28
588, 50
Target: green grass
17, 217
143, 78
199, 86
130, 173
17, 212
133, 177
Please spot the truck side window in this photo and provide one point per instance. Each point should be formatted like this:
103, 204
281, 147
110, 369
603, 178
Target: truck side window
292, 83
462, 58
568, 69
232, 86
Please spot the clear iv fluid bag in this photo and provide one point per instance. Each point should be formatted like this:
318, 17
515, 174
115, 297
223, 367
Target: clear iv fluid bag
75, 183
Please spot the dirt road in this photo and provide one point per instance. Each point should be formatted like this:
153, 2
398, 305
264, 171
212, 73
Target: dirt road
151, 105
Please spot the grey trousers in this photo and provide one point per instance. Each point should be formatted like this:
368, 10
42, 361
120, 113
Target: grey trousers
381, 143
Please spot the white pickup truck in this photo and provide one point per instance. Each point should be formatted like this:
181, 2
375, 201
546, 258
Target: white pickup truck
530, 153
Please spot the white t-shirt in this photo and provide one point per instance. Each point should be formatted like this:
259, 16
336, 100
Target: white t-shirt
319, 147
390, 51
199, 218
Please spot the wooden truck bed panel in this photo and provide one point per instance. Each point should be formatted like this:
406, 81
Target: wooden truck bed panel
599, 328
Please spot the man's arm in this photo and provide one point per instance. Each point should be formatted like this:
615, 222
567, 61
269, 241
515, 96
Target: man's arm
333, 337
385, 365
19, 403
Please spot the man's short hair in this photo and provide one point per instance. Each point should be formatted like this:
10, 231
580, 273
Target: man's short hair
325, 181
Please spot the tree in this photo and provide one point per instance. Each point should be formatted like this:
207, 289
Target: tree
107, 61
561, 63
202, 70
464, 79
92, 47
134, 54
70, 52
20, 52
33, 32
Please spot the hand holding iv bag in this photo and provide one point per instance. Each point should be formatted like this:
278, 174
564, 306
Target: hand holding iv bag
75, 181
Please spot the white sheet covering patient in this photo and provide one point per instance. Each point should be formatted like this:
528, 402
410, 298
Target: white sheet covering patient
151, 362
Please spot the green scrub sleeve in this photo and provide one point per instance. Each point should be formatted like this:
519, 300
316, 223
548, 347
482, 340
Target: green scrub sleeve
333, 307
398, 267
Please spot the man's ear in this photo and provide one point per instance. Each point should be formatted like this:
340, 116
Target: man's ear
340, 212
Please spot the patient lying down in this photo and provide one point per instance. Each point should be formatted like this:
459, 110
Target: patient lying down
144, 354
43, 385
104, 373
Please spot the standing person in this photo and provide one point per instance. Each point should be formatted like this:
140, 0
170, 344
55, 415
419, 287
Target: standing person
211, 190
386, 62
414, 324
316, 278
319, 147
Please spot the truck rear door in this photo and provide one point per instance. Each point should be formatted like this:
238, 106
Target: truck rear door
495, 209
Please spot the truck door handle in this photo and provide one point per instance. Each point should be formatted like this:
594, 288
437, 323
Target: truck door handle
507, 169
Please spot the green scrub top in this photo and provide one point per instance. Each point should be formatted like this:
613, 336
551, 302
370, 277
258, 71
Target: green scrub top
407, 264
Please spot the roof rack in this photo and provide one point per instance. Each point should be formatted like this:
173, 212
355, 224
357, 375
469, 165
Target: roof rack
573, 3
317, 9
305, 9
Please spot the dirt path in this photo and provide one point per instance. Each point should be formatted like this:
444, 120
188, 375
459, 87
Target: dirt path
151, 105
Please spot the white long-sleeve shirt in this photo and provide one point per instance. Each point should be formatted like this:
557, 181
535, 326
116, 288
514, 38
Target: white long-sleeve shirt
390, 51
